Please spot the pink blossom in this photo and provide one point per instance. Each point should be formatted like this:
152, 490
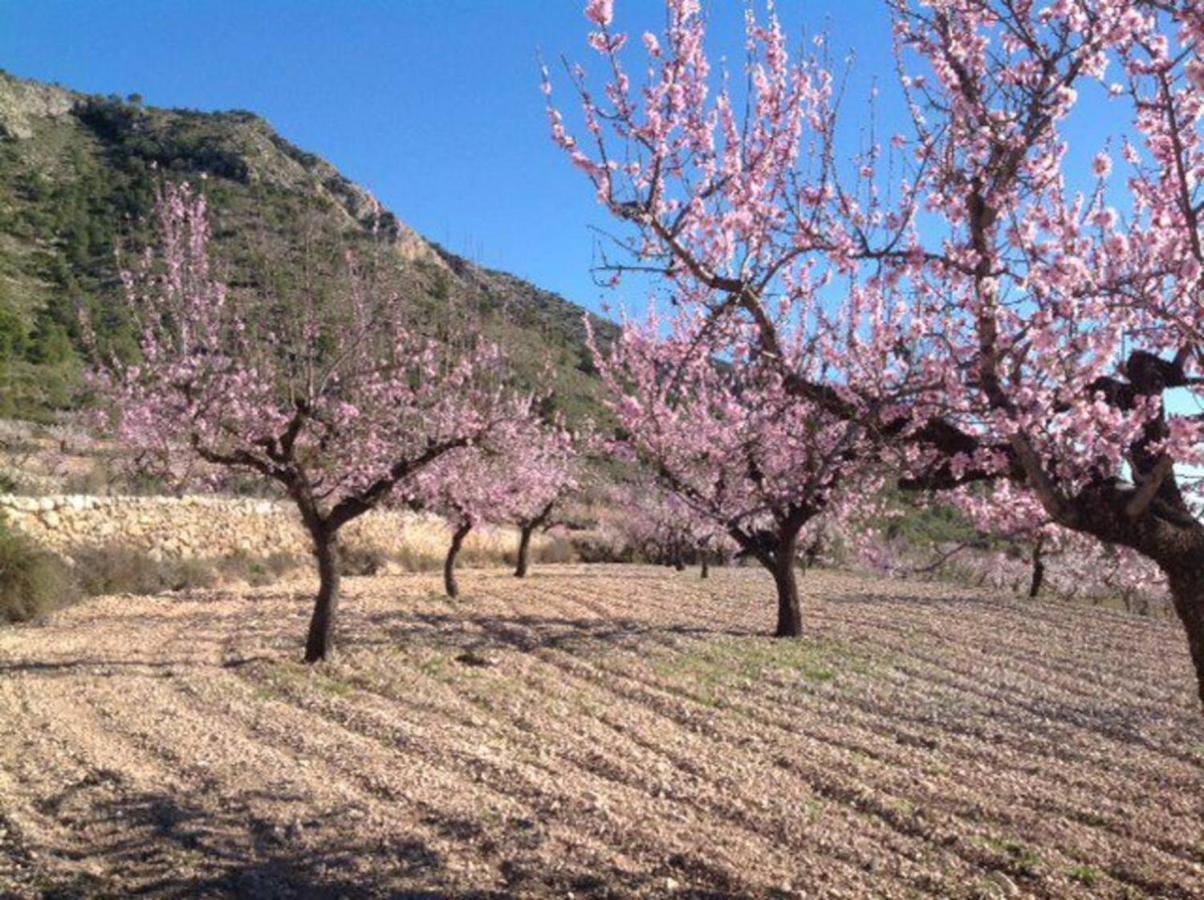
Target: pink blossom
600, 12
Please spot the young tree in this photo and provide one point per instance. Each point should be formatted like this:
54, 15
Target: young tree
325, 392
1042, 326
467, 488
658, 527
1009, 514
720, 412
732, 444
545, 472
506, 477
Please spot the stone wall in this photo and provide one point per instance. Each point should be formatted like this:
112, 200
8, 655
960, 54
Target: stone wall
200, 527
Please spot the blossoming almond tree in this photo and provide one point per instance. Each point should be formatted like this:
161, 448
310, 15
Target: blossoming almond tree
517, 474
732, 444
468, 488
331, 398
1009, 513
658, 527
1040, 327
1066, 320
1014, 543
546, 472
758, 407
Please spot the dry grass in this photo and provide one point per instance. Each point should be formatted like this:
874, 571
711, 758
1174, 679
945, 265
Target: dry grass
600, 731
422, 544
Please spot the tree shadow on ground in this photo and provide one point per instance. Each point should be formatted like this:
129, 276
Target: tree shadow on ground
621, 572
151, 843
483, 632
199, 640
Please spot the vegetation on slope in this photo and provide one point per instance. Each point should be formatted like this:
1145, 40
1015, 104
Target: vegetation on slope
77, 180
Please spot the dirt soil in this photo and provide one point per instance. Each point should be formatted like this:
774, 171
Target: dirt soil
600, 731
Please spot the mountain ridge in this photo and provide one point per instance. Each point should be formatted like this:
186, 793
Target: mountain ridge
77, 177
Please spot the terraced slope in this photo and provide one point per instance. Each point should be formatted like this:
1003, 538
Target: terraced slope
600, 731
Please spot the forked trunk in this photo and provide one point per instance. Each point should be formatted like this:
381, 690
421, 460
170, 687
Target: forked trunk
449, 565
524, 550
1187, 591
319, 644
775, 550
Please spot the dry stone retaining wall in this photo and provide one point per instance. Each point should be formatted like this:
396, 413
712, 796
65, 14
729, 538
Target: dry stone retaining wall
200, 527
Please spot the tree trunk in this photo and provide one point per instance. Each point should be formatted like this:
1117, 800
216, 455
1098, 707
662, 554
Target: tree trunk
319, 644
524, 550
1034, 587
679, 564
705, 571
790, 614
776, 551
1187, 591
449, 565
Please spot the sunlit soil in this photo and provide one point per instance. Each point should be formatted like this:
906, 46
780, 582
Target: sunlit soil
600, 731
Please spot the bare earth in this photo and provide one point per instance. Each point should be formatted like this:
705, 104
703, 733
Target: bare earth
600, 731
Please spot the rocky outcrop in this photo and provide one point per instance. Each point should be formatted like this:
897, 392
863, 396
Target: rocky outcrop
23, 103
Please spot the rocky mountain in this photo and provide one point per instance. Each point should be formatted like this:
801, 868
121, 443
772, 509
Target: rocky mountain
77, 180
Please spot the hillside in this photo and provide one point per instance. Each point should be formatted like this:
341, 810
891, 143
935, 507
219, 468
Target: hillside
600, 732
77, 176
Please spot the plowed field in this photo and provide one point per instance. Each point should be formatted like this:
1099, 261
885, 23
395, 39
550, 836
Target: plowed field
600, 731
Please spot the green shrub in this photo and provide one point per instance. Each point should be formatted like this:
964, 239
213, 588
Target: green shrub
187, 574
557, 550
33, 581
411, 559
1087, 875
116, 569
592, 547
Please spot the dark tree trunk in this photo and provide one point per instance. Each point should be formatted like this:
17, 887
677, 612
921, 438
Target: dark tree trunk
1034, 587
785, 577
449, 565
705, 570
524, 549
790, 613
775, 550
319, 644
1187, 591
679, 564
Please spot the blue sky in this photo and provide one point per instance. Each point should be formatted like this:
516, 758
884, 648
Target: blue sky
434, 105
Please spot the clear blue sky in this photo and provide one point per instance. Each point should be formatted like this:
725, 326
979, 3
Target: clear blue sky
434, 105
